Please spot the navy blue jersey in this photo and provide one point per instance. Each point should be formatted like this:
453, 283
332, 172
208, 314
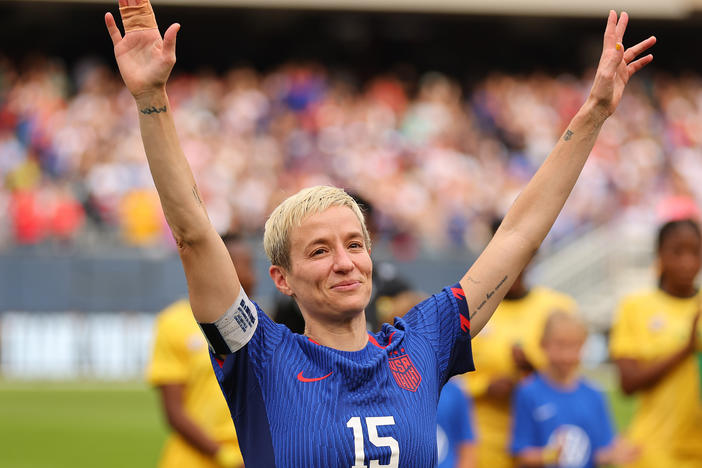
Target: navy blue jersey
297, 404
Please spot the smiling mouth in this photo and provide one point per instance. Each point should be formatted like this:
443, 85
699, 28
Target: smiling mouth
346, 285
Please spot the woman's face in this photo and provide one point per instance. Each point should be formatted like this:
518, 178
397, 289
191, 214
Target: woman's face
680, 257
331, 272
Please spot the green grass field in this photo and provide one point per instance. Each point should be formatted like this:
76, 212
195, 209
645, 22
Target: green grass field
99, 424
76, 425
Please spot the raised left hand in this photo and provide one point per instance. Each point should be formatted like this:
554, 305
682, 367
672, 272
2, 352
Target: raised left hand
617, 65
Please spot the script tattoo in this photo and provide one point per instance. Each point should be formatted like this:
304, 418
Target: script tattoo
474, 281
153, 110
488, 296
568, 135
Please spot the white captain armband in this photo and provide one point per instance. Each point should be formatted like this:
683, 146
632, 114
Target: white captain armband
234, 329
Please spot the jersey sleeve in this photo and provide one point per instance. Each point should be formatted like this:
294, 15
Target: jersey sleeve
524, 428
241, 371
443, 320
169, 364
624, 341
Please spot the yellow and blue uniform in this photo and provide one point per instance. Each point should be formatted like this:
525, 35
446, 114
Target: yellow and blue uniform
180, 356
515, 322
650, 326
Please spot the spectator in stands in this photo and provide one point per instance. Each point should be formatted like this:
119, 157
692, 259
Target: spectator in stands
560, 419
507, 350
203, 434
654, 339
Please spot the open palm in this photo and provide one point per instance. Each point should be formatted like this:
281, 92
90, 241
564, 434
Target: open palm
145, 59
616, 64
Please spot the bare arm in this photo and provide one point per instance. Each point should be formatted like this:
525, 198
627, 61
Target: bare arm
172, 400
533, 213
635, 375
145, 61
178, 419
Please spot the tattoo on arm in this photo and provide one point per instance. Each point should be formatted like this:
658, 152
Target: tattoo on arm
568, 135
474, 281
488, 296
153, 110
196, 194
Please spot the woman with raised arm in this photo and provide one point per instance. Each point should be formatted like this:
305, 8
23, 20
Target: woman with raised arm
339, 396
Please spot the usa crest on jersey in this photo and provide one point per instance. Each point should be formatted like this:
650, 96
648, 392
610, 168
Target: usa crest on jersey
403, 370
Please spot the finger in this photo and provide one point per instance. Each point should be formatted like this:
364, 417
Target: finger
621, 25
632, 52
112, 29
633, 67
610, 38
169, 38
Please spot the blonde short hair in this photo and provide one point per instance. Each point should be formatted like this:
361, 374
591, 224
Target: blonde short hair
294, 209
558, 318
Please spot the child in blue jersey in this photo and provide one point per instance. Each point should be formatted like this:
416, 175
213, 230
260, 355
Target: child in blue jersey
338, 396
454, 430
560, 419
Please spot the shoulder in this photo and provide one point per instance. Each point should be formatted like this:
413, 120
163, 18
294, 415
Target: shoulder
591, 388
644, 296
531, 385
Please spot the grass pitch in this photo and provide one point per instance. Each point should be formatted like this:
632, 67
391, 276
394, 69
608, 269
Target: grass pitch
79, 424
102, 424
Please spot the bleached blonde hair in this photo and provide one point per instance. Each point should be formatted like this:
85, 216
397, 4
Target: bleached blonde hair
294, 209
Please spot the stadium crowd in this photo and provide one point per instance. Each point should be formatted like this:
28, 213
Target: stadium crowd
72, 160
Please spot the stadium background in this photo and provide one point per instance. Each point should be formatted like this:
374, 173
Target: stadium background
76, 308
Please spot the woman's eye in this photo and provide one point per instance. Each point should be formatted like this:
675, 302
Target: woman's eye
318, 252
356, 245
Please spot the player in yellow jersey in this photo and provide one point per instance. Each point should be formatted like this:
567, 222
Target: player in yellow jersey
656, 343
505, 351
203, 433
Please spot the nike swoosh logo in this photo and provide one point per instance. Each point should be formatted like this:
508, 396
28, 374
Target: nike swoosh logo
313, 379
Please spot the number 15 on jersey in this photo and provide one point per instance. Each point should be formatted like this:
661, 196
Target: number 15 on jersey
372, 424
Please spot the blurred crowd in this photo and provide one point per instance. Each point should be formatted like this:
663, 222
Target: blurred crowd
437, 161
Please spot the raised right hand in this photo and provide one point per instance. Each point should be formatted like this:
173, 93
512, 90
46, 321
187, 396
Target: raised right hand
145, 59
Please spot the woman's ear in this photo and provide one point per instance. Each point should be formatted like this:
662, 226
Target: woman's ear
279, 277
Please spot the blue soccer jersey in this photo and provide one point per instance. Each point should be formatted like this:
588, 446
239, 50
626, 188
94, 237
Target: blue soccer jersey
297, 404
454, 426
576, 420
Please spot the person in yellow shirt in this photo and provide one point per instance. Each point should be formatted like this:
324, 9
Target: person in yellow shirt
653, 342
203, 434
505, 351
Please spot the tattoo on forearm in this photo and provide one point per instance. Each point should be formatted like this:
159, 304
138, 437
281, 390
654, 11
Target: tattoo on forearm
568, 135
196, 194
153, 110
488, 296
474, 281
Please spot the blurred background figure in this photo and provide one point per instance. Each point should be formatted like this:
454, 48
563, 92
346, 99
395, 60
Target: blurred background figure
654, 339
561, 419
507, 350
454, 431
203, 434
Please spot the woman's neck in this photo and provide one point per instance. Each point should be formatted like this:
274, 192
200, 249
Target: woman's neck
347, 335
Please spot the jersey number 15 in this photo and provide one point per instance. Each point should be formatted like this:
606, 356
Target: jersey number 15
372, 423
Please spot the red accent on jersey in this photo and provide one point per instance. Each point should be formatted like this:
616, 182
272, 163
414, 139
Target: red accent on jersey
372, 339
313, 379
406, 375
458, 294
313, 341
465, 323
220, 362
